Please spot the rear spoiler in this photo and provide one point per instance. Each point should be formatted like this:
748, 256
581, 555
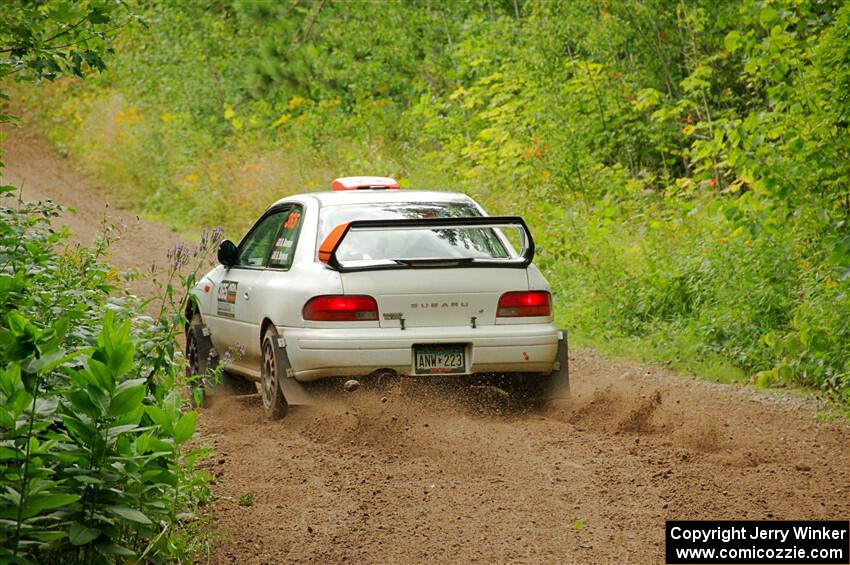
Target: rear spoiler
328, 249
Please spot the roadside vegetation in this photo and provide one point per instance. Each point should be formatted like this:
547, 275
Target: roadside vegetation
93, 426
96, 462
684, 165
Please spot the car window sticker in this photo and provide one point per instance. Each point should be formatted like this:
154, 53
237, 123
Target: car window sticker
292, 221
285, 241
227, 299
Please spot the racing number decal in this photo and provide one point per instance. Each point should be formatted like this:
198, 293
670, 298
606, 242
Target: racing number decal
292, 220
227, 299
281, 257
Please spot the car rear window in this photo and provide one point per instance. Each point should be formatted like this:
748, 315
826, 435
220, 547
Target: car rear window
443, 243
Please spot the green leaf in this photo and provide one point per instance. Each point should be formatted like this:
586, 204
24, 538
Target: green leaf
115, 431
19, 401
130, 383
160, 446
99, 399
769, 339
36, 503
185, 427
81, 402
732, 40
10, 379
127, 400
159, 417
85, 433
86, 480
129, 514
98, 373
10, 453
7, 421
51, 361
49, 535
115, 549
99, 15
79, 534
150, 475
121, 359
767, 16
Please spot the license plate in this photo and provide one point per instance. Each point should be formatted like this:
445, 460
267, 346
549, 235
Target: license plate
439, 359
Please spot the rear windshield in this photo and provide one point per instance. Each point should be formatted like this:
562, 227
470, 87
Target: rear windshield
438, 243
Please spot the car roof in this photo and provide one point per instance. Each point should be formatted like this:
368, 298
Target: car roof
370, 196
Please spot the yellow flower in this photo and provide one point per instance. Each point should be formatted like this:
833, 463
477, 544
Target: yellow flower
132, 116
295, 102
330, 103
281, 120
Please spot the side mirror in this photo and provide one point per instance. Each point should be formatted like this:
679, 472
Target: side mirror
227, 253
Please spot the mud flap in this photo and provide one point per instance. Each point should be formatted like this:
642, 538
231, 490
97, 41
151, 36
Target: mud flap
559, 381
205, 347
295, 393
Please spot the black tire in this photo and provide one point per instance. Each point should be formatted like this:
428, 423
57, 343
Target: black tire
198, 362
270, 389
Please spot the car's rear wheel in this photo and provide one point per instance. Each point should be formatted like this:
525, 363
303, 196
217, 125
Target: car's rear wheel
270, 389
199, 363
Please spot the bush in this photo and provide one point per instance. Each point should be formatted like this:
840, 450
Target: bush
94, 433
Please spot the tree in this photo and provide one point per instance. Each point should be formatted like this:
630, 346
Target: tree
56, 37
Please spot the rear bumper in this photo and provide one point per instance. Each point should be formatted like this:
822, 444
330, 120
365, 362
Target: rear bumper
319, 353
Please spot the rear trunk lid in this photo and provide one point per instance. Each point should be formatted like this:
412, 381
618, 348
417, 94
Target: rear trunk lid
436, 297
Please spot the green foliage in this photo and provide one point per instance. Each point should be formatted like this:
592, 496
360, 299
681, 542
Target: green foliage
56, 37
93, 429
94, 461
245, 499
685, 166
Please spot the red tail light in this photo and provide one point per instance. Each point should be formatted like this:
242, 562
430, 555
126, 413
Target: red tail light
525, 303
341, 308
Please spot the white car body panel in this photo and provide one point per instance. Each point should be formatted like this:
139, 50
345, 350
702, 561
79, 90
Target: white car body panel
437, 305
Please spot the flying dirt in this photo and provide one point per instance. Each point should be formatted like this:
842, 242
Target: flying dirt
411, 472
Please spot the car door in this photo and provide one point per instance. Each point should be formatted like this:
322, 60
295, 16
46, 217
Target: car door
238, 313
267, 289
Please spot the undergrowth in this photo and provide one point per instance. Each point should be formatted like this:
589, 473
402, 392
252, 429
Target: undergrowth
97, 462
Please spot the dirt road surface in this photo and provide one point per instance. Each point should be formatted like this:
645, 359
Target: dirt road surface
449, 477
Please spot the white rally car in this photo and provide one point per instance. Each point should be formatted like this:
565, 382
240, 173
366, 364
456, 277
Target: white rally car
367, 279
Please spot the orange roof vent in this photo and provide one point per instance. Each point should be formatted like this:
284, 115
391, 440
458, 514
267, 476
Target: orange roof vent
364, 183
